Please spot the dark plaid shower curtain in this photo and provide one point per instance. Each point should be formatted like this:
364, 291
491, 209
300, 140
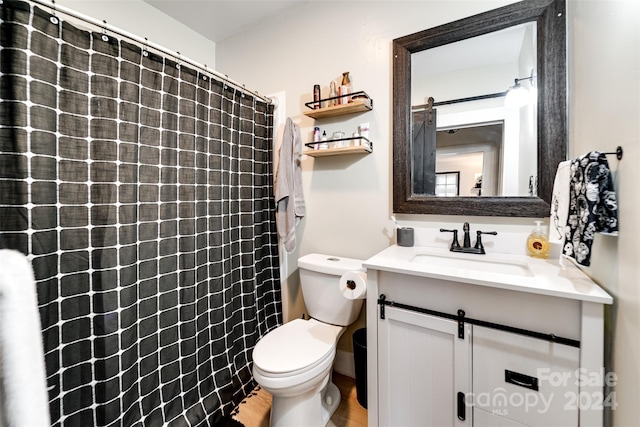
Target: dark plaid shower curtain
142, 192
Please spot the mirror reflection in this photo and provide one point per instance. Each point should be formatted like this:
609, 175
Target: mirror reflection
469, 136
473, 153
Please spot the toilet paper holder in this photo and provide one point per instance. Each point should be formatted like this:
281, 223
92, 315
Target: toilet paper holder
353, 284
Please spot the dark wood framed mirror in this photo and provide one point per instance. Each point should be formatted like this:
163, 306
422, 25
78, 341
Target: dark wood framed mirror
550, 22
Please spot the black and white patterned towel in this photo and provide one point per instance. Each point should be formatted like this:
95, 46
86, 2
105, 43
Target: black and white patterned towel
593, 206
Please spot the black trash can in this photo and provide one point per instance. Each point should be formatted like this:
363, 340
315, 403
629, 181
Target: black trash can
360, 361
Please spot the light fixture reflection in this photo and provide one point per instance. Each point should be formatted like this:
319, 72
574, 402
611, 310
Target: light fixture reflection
517, 95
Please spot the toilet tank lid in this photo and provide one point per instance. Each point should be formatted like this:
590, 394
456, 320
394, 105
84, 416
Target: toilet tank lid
330, 264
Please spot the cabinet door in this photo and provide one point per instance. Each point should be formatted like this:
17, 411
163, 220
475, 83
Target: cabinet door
524, 379
423, 368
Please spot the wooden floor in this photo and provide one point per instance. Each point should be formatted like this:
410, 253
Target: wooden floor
255, 409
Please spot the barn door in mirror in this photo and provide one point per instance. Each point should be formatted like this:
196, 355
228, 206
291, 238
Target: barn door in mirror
423, 150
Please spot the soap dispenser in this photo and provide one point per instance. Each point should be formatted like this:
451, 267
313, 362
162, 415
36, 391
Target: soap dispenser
537, 243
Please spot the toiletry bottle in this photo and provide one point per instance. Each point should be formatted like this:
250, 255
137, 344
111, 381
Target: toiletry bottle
316, 137
537, 243
316, 97
364, 130
332, 94
324, 145
345, 88
346, 80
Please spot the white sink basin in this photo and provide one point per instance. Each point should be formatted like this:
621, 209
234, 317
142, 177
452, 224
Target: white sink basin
468, 262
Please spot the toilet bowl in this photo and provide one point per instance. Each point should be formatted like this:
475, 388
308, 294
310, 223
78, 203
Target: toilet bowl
294, 361
294, 364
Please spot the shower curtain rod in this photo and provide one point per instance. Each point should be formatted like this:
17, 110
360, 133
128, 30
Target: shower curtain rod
146, 44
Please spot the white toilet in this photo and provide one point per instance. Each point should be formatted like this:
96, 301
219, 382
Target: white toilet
294, 361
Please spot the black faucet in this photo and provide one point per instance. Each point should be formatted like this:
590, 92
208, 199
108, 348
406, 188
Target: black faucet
467, 240
466, 247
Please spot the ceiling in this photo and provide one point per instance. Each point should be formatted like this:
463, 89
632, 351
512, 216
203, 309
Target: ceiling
219, 19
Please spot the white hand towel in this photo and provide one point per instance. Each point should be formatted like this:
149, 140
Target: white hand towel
22, 370
560, 204
288, 186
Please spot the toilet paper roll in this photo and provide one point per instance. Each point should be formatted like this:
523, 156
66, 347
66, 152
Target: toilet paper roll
353, 285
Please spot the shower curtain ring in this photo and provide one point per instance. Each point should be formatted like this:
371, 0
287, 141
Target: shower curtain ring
53, 18
105, 37
177, 58
145, 50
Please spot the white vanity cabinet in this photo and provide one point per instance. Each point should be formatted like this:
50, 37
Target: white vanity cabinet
488, 378
453, 347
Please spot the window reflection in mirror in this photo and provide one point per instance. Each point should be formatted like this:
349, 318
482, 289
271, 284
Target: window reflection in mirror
468, 80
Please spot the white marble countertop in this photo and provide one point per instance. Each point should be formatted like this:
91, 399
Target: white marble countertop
503, 271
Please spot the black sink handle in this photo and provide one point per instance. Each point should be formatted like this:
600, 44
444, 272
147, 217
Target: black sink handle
479, 245
454, 242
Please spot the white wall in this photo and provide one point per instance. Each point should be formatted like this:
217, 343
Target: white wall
141, 19
349, 198
604, 101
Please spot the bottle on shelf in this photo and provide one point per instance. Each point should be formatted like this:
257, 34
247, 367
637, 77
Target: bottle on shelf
332, 94
364, 130
316, 137
345, 88
316, 97
324, 145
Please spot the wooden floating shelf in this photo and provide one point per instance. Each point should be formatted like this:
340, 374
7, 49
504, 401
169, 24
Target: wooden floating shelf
355, 106
359, 149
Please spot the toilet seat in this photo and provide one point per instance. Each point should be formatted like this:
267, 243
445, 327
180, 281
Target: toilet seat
296, 347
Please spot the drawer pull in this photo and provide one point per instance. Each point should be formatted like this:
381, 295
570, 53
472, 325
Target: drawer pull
521, 380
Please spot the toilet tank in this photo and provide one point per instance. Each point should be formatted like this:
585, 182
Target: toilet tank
320, 278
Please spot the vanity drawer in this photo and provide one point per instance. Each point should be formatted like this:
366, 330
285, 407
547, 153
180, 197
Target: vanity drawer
524, 379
